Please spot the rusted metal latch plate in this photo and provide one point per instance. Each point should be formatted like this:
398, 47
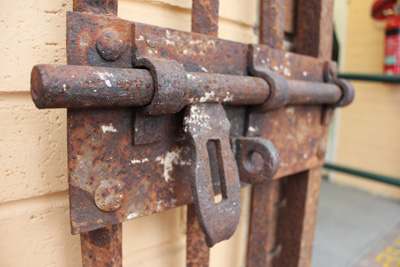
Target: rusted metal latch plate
128, 153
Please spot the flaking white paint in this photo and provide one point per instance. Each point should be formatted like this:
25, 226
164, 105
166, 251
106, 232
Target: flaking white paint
108, 128
170, 159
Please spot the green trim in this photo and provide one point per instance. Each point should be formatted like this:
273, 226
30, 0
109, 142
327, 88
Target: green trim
368, 175
371, 77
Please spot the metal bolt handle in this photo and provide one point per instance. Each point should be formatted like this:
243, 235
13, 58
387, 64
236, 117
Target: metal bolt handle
208, 123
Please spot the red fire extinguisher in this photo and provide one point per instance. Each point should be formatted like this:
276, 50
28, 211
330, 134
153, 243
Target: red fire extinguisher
390, 10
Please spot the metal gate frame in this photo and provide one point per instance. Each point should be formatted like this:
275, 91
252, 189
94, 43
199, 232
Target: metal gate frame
160, 118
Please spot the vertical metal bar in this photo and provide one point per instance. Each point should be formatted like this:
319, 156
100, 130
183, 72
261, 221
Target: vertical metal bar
314, 35
300, 217
205, 17
313, 38
314, 28
266, 209
204, 21
102, 247
272, 23
266, 212
97, 7
198, 254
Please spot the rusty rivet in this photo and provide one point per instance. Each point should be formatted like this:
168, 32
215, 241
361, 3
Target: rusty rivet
110, 44
108, 195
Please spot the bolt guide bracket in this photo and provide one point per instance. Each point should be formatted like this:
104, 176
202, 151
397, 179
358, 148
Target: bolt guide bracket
159, 118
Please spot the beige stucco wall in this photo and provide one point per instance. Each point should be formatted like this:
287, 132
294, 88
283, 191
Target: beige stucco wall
34, 215
369, 129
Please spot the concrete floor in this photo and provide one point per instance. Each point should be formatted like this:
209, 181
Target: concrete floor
349, 224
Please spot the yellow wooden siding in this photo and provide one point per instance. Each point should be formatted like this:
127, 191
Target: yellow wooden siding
369, 129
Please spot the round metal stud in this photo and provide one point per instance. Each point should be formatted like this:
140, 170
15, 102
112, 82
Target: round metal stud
108, 195
110, 44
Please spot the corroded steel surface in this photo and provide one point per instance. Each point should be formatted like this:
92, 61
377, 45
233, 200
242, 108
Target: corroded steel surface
263, 208
267, 204
102, 247
298, 222
313, 93
291, 65
86, 34
125, 164
206, 123
301, 145
154, 177
205, 17
347, 95
110, 131
187, 48
257, 159
55, 86
96, 6
278, 83
197, 52
226, 89
272, 22
314, 28
302, 190
302, 132
197, 251
301, 124
148, 129
170, 86
268, 236
122, 145
108, 195
198, 255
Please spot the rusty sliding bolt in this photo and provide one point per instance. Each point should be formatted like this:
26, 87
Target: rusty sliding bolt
57, 86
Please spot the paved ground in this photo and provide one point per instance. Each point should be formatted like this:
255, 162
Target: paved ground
351, 225
386, 253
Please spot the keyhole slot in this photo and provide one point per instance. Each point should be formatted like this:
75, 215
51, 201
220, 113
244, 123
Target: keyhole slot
217, 170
